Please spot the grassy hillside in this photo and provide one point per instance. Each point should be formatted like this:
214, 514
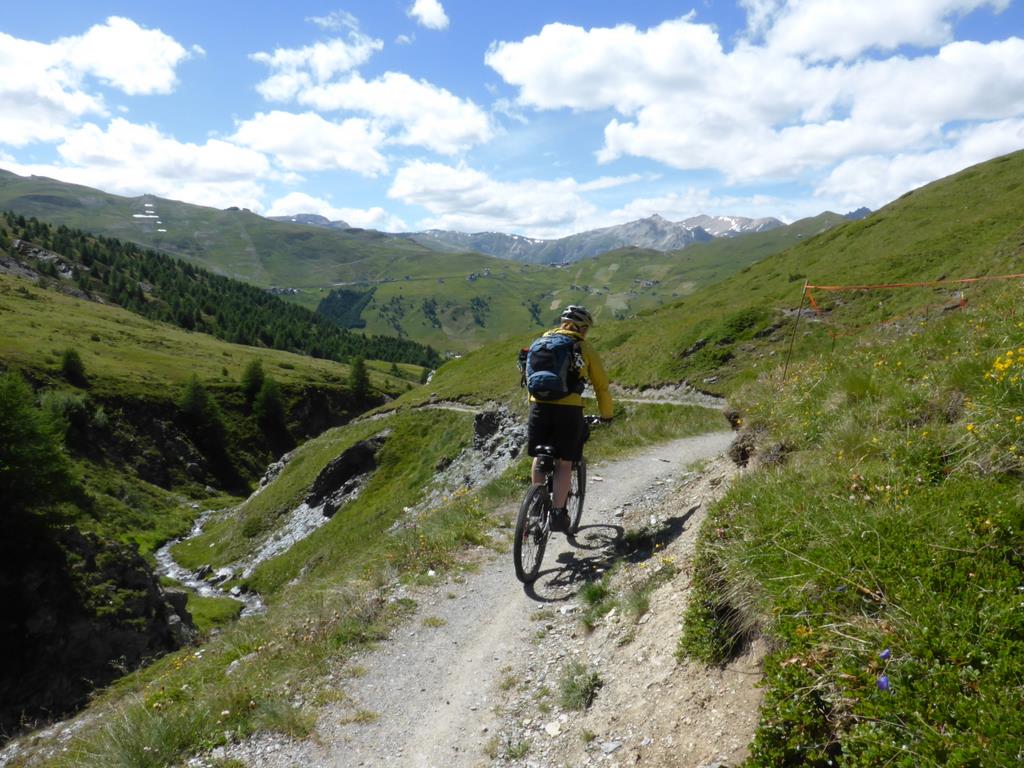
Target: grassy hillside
168, 289
881, 551
965, 225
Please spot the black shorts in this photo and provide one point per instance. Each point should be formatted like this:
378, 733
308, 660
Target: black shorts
560, 426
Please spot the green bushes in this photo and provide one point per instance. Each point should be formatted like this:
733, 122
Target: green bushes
578, 686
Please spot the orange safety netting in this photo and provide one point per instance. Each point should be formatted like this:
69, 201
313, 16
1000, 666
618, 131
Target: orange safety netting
809, 296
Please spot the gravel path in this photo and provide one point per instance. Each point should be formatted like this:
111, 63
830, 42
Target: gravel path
428, 696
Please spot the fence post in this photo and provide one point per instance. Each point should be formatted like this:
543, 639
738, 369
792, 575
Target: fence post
792, 339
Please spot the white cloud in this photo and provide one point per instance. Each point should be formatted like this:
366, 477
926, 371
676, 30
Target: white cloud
126, 56
43, 91
827, 29
429, 13
405, 39
876, 179
412, 112
466, 199
371, 218
131, 159
621, 67
422, 114
762, 111
293, 70
308, 142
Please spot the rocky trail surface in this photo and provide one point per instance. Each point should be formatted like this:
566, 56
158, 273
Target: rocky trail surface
473, 678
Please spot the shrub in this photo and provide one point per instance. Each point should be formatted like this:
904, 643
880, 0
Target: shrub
73, 368
66, 410
578, 686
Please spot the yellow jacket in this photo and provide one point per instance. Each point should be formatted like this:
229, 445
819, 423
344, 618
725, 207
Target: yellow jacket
593, 372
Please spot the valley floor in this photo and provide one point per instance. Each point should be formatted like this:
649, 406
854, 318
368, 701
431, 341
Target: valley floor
473, 678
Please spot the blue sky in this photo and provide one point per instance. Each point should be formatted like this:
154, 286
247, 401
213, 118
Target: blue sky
541, 118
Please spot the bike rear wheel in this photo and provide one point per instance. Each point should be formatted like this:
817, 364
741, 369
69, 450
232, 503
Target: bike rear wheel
577, 492
531, 535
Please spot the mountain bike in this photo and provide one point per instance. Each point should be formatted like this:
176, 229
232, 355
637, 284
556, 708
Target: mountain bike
533, 524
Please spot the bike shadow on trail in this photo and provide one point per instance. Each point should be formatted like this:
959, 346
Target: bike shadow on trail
596, 548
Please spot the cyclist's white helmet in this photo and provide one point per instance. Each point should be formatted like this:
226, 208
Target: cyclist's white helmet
578, 316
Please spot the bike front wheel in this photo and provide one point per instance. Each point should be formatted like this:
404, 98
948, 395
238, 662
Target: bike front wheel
531, 535
577, 492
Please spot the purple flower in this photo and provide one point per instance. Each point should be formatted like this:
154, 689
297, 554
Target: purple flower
885, 655
882, 682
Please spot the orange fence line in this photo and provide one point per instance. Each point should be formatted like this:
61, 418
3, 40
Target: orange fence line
922, 284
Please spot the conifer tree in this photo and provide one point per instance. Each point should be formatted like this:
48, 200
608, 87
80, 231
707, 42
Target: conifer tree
252, 379
33, 467
73, 368
268, 407
359, 377
202, 415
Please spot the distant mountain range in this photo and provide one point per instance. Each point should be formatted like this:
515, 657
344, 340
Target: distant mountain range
653, 233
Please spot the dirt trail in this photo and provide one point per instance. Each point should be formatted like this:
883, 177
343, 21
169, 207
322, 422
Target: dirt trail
437, 692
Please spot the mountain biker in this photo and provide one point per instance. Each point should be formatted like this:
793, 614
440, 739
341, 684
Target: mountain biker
559, 423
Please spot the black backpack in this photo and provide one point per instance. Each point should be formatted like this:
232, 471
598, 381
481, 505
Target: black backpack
554, 365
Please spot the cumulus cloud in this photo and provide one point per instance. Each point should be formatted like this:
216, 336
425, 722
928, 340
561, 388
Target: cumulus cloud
875, 180
419, 113
44, 91
771, 110
827, 29
131, 159
293, 70
308, 142
411, 112
429, 13
128, 57
369, 218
